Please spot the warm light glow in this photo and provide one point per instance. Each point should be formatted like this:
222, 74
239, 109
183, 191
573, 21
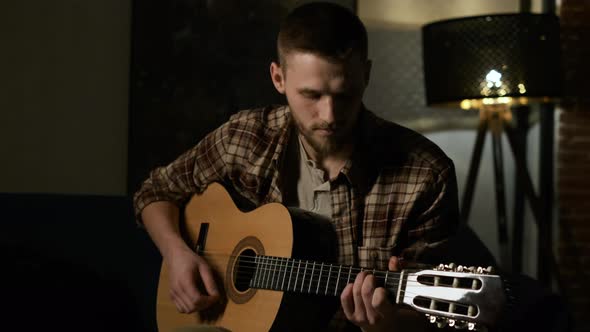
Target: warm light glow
521, 88
466, 104
495, 77
493, 84
471, 104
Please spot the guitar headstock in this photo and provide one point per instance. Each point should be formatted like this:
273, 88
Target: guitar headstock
457, 296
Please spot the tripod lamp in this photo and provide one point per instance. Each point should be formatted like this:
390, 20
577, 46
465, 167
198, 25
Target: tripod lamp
498, 65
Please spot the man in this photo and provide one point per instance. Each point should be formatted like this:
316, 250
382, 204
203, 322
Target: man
389, 192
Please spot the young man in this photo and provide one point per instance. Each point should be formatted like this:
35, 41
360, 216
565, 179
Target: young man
388, 191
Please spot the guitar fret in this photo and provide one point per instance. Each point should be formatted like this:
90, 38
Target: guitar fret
303, 280
385, 283
253, 280
297, 276
349, 271
284, 273
265, 269
274, 270
399, 287
261, 276
337, 281
274, 275
290, 269
261, 271
311, 278
319, 279
279, 274
268, 272
328, 280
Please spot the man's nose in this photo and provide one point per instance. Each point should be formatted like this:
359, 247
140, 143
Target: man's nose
326, 110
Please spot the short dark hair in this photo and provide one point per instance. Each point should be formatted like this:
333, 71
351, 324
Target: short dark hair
322, 28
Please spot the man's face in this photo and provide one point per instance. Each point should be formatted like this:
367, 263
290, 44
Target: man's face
324, 96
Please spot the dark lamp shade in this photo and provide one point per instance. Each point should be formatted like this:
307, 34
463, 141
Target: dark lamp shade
492, 59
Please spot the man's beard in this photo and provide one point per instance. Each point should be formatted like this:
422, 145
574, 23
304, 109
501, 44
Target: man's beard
326, 145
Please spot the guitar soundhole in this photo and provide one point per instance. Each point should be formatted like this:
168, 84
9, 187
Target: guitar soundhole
244, 270
241, 268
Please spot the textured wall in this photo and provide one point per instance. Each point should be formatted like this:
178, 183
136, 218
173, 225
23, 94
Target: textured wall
574, 161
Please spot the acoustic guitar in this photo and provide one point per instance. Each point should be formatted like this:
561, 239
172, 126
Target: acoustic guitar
277, 270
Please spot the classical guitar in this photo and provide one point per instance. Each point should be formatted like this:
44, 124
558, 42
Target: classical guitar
278, 272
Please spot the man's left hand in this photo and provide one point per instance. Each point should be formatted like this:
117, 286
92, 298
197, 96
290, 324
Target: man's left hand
366, 305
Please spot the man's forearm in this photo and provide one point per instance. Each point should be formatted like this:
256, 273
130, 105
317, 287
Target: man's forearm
161, 221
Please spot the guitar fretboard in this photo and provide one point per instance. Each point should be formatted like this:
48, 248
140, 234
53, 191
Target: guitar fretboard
308, 277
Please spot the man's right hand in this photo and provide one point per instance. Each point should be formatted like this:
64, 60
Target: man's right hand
187, 270
192, 286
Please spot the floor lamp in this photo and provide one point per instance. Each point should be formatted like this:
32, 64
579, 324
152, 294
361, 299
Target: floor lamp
498, 65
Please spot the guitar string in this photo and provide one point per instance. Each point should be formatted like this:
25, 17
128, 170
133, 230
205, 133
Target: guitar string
268, 267
272, 265
330, 283
265, 267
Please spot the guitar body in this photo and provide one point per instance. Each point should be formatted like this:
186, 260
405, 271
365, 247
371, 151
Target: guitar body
226, 233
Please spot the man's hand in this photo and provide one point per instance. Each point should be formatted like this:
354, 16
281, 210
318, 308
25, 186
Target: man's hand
366, 305
187, 270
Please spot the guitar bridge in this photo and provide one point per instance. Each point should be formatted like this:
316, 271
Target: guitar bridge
201, 239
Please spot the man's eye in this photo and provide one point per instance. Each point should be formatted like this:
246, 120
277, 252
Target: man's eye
312, 95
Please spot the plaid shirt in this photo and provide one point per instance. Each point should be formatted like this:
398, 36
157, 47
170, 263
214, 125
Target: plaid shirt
397, 194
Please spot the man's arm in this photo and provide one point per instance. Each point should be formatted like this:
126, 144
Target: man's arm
185, 266
157, 209
435, 219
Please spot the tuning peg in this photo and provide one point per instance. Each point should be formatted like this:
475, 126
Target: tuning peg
471, 326
461, 325
441, 322
452, 322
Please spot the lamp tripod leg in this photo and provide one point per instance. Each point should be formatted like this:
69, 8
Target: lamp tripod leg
535, 204
500, 190
473, 168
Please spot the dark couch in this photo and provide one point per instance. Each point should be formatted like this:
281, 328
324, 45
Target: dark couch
75, 263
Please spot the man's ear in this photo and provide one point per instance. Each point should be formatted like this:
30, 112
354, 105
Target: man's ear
277, 76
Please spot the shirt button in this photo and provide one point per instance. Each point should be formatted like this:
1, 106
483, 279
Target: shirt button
374, 255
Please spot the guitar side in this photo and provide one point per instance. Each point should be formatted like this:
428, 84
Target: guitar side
264, 231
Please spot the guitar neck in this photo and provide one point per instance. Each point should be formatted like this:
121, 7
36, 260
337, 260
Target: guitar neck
309, 277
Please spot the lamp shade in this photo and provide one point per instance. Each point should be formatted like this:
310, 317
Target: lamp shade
506, 58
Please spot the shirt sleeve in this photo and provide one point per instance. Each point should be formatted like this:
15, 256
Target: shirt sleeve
436, 219
190, 173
